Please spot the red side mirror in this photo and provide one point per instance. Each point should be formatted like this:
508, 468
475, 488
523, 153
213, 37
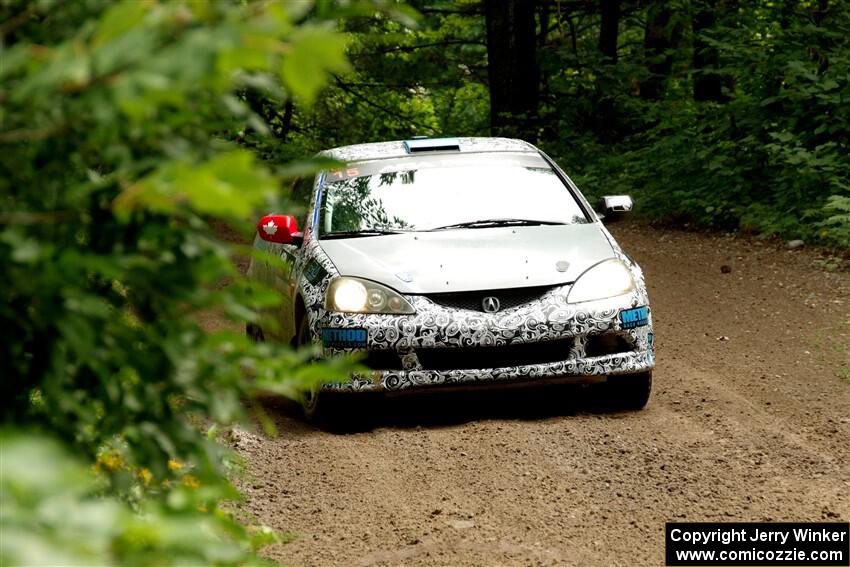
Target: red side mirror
282, 229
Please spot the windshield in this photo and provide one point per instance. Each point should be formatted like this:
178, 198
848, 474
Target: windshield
444, 192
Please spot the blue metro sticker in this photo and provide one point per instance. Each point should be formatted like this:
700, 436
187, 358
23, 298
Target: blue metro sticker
637, 317
344, 338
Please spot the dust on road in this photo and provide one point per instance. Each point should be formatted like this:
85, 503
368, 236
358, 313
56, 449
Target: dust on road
749, 421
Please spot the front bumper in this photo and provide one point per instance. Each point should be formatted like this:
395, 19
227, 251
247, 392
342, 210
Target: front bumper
442, 346
578, 369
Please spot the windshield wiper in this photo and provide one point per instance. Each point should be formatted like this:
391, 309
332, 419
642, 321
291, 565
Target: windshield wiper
360, 233
487, 223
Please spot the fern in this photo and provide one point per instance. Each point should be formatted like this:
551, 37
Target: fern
837, 224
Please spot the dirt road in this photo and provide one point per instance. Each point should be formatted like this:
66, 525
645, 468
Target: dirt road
749, 421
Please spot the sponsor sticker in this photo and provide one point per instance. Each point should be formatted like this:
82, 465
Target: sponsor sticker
344, 338
314, 272
636, 317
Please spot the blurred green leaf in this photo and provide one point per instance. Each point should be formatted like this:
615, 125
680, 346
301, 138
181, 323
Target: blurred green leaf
120, 129
314, 53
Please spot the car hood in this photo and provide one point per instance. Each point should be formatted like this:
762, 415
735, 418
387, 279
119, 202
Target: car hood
472, 259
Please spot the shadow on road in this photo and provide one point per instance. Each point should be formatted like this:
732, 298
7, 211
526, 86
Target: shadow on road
356, 413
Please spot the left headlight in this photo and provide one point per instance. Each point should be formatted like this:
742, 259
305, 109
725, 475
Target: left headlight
608, 278
354, 295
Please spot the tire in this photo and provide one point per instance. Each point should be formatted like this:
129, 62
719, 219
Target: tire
628, 391
255, 333
310, 404
335, 411
310, 400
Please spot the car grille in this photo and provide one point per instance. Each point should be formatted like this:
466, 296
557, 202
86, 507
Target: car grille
463, 358
382, 360
471, 300
607, 344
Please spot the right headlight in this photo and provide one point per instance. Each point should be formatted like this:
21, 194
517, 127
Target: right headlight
354, 295
608, 278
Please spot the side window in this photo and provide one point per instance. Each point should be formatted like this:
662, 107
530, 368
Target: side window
300, 196
302, 191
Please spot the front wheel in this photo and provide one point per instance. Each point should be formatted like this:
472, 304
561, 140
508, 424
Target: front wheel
336, 411
255, 333
629, 391
310, 400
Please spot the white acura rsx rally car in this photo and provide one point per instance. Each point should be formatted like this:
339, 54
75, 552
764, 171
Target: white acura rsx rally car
458, 261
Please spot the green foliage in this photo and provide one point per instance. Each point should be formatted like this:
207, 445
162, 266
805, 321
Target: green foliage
116, 162
838, 223
53, 514
133, 134
408, 76
771, 159
317, 52
765, 156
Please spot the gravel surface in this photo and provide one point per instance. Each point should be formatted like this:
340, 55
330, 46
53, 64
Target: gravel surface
749, 421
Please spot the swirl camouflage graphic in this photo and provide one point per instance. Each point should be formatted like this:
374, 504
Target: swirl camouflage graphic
543, 337
548, 318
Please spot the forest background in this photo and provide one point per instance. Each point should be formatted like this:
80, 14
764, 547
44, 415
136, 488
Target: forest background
132, 132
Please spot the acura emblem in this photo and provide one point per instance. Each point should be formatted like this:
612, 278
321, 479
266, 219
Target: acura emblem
490, 304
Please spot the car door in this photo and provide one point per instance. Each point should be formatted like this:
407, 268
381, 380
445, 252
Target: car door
286, 274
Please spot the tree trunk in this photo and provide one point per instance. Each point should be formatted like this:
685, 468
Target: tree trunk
286, 120
606, 122
512, 68
662, 33
707, 82
543, 27
609, 28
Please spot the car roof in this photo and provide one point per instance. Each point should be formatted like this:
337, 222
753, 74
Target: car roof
397, 149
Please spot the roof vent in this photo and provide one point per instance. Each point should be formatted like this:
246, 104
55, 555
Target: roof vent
416, 146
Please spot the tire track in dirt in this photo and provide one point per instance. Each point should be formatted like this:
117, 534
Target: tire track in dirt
752, 427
